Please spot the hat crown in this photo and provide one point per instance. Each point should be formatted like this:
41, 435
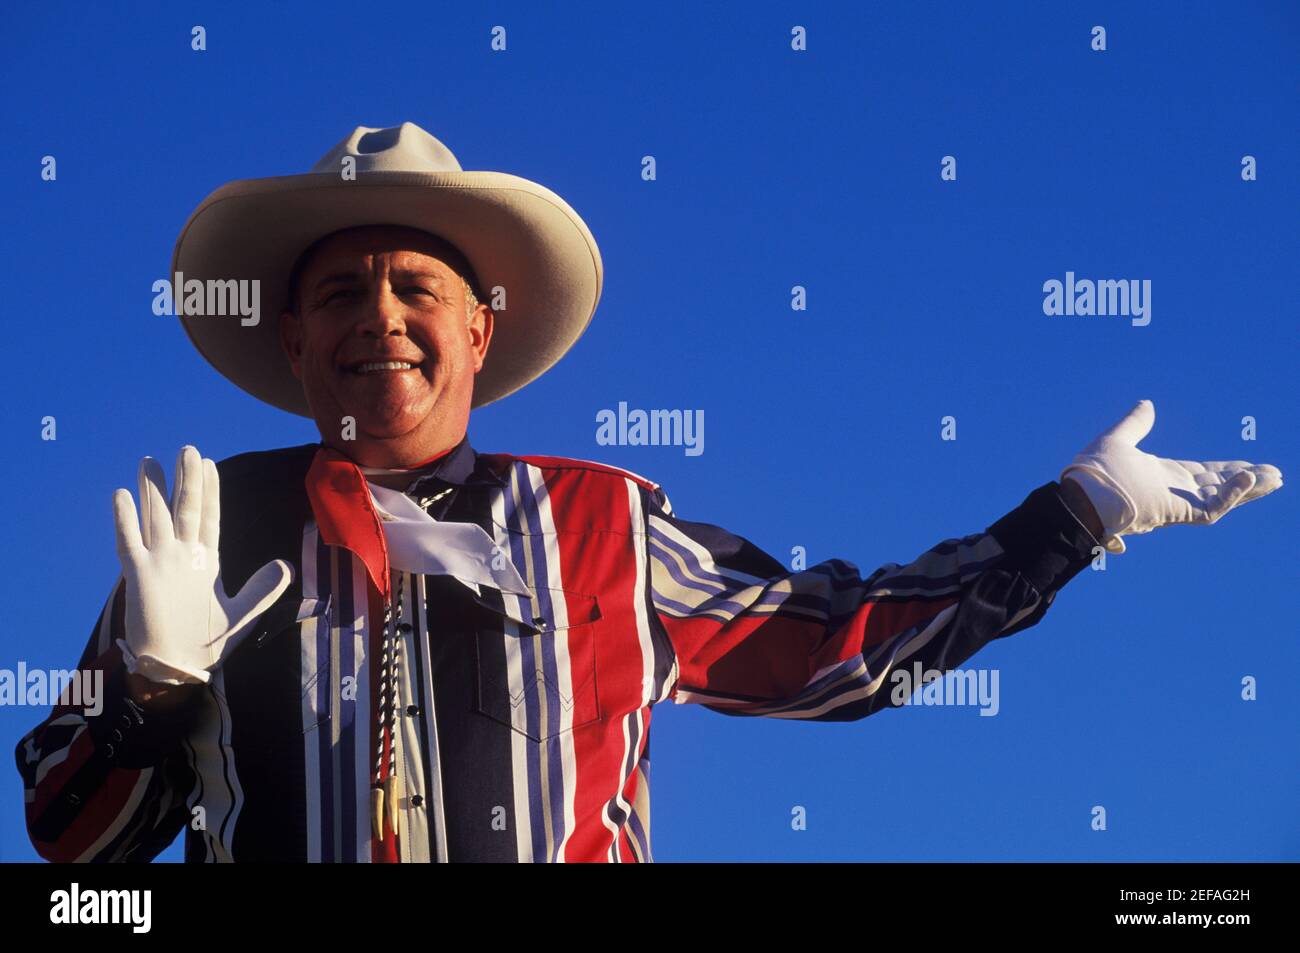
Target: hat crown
404, 148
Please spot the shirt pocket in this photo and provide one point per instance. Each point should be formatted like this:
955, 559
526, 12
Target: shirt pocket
537, 664
321, 699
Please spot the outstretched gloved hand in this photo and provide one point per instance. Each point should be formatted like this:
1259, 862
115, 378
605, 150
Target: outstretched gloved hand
1136, 492
180, 624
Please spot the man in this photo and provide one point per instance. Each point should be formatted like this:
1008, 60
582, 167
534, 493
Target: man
436, 654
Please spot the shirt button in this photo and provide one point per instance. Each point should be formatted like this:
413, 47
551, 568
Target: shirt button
412, 710
416, 800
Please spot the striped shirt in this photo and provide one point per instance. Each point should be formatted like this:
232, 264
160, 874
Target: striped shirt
523, 720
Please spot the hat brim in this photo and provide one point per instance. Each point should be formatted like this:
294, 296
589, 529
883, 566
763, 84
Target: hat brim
516, 234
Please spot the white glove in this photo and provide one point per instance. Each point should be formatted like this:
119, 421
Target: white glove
180, 624
1135, 492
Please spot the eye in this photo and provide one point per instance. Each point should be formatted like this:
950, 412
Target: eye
331, 296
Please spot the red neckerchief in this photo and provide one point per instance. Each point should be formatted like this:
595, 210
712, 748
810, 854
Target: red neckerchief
345, 513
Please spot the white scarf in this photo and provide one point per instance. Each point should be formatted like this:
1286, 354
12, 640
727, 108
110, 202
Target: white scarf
421, 544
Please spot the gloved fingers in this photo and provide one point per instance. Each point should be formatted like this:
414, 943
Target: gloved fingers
1217, 472
130, 545
1222, 498
187, 494
210, 519
259, 594
1135, 425
1267, 479
1216, 466
156, 521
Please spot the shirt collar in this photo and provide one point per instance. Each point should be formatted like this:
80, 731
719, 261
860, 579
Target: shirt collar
345, 514
457, 467
460, 466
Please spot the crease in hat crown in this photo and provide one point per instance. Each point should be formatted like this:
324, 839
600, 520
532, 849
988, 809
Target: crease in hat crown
516, 234
404, 148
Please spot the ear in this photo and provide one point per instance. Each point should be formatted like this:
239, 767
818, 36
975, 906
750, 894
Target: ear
480, 334
291, 341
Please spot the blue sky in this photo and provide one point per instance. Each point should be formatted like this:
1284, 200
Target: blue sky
775, 169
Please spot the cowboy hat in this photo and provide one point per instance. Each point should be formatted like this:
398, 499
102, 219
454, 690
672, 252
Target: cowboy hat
515, 234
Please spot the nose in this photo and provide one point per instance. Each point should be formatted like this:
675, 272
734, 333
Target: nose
381, 315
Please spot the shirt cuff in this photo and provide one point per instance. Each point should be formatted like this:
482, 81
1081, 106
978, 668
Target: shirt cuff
1044, 540
126, 734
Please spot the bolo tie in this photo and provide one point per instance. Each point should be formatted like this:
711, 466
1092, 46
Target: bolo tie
382, 799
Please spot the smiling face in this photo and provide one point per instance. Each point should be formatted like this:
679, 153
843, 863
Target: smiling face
379, 333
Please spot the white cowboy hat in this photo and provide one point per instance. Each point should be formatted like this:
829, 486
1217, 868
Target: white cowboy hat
515, 234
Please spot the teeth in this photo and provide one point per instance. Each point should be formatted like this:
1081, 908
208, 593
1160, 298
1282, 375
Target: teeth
384, 366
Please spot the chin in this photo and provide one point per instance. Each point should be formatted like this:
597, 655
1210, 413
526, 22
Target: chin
382, 426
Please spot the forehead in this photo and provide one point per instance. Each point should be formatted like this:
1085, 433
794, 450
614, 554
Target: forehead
406, 248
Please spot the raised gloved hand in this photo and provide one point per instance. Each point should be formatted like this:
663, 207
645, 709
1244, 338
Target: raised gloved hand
1136, 492
180, 624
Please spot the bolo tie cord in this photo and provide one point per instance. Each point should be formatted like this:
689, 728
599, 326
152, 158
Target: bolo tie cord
383, 800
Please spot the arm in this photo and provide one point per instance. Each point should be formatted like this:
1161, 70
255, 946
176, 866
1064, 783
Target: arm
110, 785
750, 637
